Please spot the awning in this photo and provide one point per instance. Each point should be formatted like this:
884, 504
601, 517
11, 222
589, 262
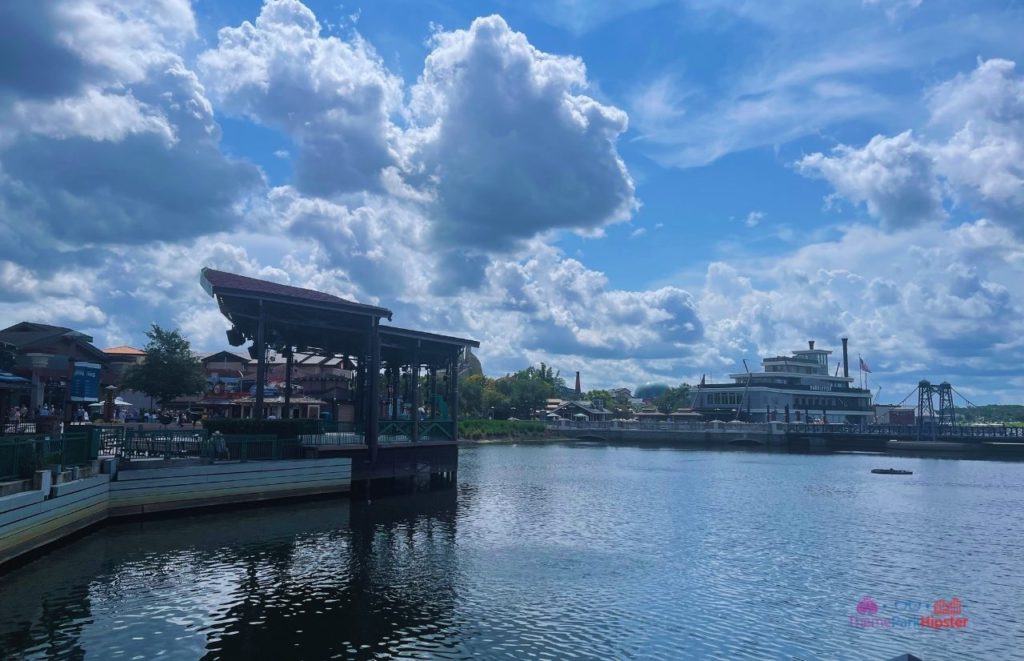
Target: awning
10, 381
117, 402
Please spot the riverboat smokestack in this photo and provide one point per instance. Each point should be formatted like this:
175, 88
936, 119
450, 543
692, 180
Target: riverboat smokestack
810, 344
846, 358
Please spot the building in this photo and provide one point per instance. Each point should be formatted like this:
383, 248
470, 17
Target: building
583, 410
890, 414
65, 369
796, 388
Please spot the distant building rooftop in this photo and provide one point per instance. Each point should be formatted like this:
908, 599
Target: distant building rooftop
124, 351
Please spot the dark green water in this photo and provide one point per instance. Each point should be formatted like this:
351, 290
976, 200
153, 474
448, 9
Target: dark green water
557, 551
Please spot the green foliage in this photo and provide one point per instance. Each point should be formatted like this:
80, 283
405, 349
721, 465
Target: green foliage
169, 370
519, 394
471, 394
992, 413
476, 429
619, 406
7, 357
292, 428
673, 398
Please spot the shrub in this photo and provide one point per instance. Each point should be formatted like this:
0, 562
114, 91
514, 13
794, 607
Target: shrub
483, 428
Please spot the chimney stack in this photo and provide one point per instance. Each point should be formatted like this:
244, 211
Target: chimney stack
810, 343
578, 390
846, 358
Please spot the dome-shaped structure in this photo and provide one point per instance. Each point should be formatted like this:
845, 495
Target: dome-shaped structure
650, 390
469, 365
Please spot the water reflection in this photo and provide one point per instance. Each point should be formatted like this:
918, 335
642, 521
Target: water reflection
582, 549
322, 578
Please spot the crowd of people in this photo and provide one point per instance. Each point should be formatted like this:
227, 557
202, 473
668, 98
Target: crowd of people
18, 415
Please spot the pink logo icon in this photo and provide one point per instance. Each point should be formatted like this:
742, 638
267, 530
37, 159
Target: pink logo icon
867, 606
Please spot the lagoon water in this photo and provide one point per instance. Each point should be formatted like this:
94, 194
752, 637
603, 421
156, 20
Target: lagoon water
569, 550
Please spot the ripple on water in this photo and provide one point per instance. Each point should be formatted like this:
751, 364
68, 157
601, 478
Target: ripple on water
557, 551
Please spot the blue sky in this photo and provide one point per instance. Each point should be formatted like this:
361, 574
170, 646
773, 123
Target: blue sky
639, 191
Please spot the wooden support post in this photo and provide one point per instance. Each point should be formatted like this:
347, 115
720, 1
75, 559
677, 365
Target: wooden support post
360, 410
432, 389
453, 401
261, 362
394, 392
289, 358
415, 376
373, 376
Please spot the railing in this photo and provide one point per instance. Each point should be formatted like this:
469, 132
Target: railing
17, 428
943, 431
713, 427
436, 430
165, 443
337, 427
395, 431
332, 438
21, 456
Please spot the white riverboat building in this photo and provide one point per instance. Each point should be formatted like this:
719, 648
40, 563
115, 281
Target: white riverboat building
796, 388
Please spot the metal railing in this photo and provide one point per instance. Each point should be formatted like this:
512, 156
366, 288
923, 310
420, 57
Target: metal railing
21, 456
713, 426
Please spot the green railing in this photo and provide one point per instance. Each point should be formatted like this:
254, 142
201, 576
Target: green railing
335, 427
436, 430
22, 456
395, 431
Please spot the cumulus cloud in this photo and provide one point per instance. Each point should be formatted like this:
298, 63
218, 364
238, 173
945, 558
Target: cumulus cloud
894, 177
918, 302
333, 97
563, 307
983, 158
508, 145
123, 151
972, 154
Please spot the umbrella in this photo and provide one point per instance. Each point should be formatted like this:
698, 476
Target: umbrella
117, 402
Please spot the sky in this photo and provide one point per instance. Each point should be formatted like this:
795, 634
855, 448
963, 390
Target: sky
645, 192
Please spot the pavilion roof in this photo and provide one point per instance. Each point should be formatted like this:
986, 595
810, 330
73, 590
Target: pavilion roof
221, 282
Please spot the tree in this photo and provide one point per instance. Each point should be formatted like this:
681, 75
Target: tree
170, 369
471, 395
7, 357
673, 398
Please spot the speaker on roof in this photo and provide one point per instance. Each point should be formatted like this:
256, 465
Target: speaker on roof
235, 337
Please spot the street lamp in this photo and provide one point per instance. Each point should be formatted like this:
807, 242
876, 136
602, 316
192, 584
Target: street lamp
109, 412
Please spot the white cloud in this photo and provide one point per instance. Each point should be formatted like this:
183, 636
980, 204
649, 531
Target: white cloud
802, 71
894, 177
972, 155
754, 218
982, 160
919, 303
334, 97
507, 143
122, 146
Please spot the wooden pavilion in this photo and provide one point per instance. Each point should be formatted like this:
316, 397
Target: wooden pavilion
293, 320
